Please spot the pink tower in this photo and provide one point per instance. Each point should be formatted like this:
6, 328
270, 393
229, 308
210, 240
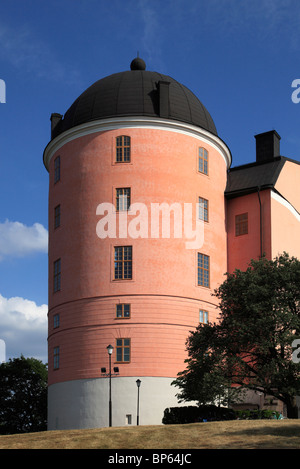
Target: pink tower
134, 165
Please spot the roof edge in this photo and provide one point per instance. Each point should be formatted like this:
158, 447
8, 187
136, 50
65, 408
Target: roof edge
135, 122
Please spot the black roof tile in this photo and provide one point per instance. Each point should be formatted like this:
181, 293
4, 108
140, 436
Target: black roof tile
134, 93
247, 178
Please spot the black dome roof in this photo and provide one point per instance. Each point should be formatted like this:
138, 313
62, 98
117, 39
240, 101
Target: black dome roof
136, 93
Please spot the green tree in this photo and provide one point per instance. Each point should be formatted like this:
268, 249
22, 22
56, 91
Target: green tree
251, 347
23, 396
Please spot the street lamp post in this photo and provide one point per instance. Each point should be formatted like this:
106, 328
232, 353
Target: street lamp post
138, 383
110, 351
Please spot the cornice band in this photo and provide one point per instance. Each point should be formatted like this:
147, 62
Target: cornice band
135, 122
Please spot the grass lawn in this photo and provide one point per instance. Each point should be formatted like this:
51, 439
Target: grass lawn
237, 434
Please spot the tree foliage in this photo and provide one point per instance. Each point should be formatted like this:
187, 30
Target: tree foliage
23, 396
251, 346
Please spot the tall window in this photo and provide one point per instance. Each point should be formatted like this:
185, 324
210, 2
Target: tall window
203, 316
123, 310
56, 320
123, 199
57, 169
123, 149
203, 270
57, 272
241, 224
56, 358
123, 262
57, 216
203, 209
123, 350
203, 161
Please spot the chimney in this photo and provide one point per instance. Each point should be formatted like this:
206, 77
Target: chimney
163, 91
55, 119
267, 146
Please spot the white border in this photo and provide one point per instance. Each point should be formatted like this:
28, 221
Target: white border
285, 203
136, 122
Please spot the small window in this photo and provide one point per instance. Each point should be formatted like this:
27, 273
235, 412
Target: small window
203, 316
203, 161
241, 224
57, 273
56, 358
123, 350
203, 270
123, 310
123, 199
57, 169
123, 149
56, 320
123, 262
57, 216
128, 419
203, 209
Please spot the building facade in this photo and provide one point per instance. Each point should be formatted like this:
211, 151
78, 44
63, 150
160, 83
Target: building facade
145, 217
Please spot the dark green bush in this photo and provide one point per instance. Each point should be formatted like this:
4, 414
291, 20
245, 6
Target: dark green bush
253, 414
191, 414
210, 413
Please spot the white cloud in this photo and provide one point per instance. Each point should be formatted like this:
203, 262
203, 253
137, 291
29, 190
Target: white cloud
18, 240
23, 327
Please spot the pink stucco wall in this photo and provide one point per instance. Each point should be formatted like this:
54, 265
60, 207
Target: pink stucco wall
164, 296
241, 249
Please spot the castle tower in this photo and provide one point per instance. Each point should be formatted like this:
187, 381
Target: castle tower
130, 143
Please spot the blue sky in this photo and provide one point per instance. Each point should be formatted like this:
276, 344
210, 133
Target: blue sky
239, 57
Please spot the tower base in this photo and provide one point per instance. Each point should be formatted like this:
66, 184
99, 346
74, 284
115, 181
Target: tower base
80, 404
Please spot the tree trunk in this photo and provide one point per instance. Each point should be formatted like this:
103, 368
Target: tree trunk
292, 409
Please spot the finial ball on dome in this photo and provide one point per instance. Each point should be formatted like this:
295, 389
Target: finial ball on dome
138, 64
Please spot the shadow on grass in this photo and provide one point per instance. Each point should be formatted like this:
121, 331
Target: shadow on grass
286, 436
291, 430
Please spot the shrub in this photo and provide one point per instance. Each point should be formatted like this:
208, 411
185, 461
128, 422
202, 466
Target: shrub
253, 414
191, 414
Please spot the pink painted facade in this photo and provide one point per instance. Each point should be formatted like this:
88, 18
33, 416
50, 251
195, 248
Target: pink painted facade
248, 211
164, 296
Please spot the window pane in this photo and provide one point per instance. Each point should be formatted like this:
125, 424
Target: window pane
126, 354
56, 282
56, 358
56, 320
123, 262
203, 316
127, 252
123, 149
119, 311
118, 270
126, 311
203, 209
57, 216
123, 310
203, 161
123, 199
118, 253
123, 350
57, 169
203, 270
241, 224
119, 355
